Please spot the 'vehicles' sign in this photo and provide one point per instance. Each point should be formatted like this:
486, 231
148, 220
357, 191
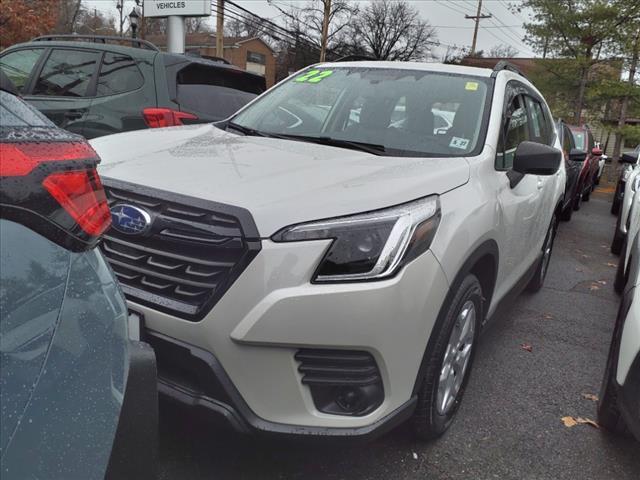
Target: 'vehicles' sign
185, 8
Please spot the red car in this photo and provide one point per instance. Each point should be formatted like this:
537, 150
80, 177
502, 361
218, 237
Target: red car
584, 141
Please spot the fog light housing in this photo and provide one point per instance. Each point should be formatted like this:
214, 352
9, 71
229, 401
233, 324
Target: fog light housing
341, 382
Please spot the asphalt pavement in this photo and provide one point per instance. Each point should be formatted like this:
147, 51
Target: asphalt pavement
509, 425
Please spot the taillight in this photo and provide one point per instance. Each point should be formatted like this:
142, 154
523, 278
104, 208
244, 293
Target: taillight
67, 171
81, 194
165, 117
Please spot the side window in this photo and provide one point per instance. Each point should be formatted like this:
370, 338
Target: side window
538, 123
118, 73
18, 65
567, 140
67, 73
515, 132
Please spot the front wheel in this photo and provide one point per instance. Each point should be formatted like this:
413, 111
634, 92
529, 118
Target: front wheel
537, 281
618, 239
448, 364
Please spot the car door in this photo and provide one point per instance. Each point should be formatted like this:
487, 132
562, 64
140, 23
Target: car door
520, 205
65, 85
541, 131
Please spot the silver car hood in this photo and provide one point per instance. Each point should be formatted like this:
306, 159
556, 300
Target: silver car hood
281, 182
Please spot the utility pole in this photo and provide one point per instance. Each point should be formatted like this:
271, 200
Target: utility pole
220, 30
325, 30
477, 17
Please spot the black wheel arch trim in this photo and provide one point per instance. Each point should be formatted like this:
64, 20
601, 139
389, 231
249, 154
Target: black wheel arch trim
487, 248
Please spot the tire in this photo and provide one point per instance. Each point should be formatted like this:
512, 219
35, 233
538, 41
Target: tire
435, 409
609, 416
615, 205
578, 200
537, 281
618, 239
621, 278
567, 213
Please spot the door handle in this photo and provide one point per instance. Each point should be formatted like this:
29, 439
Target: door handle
73, 114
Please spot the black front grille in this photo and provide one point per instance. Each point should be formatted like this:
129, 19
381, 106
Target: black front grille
188, 258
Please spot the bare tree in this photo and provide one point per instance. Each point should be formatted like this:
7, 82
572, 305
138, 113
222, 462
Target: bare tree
393, 30
502, 51
306, 20
68, 13
236, 27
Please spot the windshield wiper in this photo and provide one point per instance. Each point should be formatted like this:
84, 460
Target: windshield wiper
337, 142
245, 130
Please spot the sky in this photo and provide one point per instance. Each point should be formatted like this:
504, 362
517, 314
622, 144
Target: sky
447, 16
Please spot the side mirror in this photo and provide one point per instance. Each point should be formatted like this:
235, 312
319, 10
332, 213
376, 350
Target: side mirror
577, 155
596, 151
628, 158
537, 159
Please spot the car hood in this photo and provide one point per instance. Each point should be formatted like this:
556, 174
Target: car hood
281, 182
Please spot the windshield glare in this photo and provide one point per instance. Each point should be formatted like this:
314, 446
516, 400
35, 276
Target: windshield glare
409, 112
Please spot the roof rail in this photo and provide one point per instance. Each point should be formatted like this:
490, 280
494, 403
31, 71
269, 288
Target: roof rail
135, 42
355, 58
505, 65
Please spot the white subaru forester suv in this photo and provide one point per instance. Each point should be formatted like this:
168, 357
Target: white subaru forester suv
323, 262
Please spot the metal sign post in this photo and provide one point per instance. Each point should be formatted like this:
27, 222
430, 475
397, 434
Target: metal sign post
176, 11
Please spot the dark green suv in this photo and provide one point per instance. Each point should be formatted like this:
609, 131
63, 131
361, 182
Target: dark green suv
95, 86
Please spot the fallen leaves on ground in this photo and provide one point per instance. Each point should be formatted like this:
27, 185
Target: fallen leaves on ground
527, 347
602, 282
594, 286
579, 270
611, 264
547, 316
415, 456
590, 396
584, 255
572, 422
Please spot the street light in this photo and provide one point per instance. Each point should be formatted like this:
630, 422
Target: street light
133, 21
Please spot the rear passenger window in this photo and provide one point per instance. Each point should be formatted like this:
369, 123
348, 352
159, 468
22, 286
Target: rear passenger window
515, 132
67, 73
118, 74
17, 65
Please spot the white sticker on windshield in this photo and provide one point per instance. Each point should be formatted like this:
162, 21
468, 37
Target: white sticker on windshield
457, 142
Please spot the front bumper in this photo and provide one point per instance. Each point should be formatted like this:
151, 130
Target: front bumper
246, 344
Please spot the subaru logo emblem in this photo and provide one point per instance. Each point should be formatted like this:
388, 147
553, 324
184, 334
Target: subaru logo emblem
130, 220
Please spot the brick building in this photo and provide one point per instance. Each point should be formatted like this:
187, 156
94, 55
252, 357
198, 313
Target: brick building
251, 54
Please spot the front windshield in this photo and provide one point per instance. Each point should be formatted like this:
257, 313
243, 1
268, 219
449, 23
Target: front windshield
405, 112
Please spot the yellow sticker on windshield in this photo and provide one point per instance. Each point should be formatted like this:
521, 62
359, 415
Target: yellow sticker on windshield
473, 86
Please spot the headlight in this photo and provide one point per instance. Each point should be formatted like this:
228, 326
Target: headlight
626, 172
370, 246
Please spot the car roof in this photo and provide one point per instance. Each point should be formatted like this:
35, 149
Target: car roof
422, 66
111, 47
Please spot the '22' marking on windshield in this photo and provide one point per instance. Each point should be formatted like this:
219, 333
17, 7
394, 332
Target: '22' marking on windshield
314, 76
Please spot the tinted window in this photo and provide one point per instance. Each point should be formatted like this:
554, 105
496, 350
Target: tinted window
516, 131
67, 73
16, 113
17, 65
119, 73
567, 140
217, 102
